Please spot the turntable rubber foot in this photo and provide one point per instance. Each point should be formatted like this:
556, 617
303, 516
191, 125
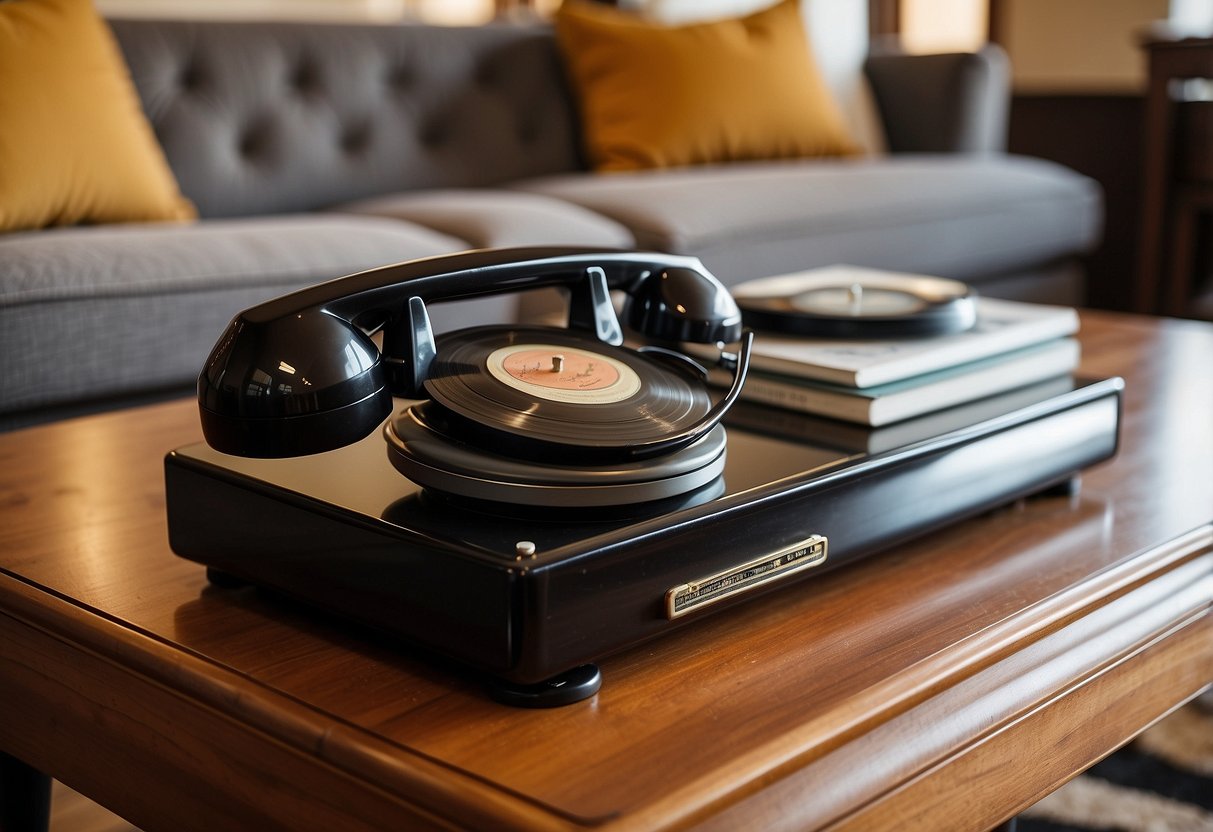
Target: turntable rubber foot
565, 689
1069, 487
218, 577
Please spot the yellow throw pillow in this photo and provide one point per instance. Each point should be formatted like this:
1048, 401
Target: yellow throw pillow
74, 143
654, 96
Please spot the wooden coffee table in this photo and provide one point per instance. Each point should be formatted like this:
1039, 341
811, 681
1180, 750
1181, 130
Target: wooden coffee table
947, 684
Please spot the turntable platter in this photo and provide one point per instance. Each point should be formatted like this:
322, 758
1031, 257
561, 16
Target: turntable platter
551, 395
467, 471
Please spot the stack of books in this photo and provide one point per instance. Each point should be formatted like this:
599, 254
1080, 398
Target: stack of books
875, 383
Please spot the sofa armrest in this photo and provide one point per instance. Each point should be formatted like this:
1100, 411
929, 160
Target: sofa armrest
953, 103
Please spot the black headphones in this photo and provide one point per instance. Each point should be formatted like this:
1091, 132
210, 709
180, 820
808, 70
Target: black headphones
299, 374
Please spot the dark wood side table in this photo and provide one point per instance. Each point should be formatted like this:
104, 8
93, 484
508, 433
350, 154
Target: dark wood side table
1192, 204
1169, 205
946, 684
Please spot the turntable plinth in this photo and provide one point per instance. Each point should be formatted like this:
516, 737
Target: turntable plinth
344, 531
902, 692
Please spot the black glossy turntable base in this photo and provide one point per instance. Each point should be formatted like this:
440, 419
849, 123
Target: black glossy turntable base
527, 594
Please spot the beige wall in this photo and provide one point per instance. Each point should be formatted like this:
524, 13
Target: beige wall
943, 25
1077, 46
1056, 46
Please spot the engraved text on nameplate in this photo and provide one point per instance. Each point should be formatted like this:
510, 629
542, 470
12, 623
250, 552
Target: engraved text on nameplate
695, 594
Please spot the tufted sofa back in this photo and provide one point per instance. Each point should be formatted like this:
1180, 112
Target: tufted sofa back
263, 118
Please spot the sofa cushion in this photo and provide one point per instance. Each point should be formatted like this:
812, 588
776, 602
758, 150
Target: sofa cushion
275, 117
726, 90
963, 217
502, 219
74, 146
838, 38
499, 218
106, 310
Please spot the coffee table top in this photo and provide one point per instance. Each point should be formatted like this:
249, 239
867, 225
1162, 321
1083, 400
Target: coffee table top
868, 696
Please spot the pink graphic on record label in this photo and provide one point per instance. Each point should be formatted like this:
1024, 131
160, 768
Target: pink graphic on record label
564, 370
564, 374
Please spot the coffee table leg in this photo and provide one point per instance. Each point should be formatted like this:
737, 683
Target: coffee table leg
25, 797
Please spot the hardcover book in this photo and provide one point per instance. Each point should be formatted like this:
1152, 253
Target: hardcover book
898, 400
1002, 326
858, 438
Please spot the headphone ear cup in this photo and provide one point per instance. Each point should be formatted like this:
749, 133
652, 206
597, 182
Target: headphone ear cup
290, 386
681, 304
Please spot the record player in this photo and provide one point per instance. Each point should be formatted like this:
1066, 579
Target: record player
526, 500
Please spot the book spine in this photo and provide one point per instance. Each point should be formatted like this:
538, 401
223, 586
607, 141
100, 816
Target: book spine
807, 400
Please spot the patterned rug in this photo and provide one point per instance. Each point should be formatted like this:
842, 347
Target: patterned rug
1160, 782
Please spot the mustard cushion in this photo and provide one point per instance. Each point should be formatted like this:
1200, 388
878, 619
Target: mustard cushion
654, 96
74, 143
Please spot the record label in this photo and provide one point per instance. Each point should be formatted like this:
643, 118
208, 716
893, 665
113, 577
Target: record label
856, 300
563, 374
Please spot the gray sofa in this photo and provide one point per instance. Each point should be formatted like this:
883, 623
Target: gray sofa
315, 150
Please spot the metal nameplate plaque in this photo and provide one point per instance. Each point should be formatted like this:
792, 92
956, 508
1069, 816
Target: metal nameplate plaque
691, 596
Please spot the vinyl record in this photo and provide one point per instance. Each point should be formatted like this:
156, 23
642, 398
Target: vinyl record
551, 394
850, 302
